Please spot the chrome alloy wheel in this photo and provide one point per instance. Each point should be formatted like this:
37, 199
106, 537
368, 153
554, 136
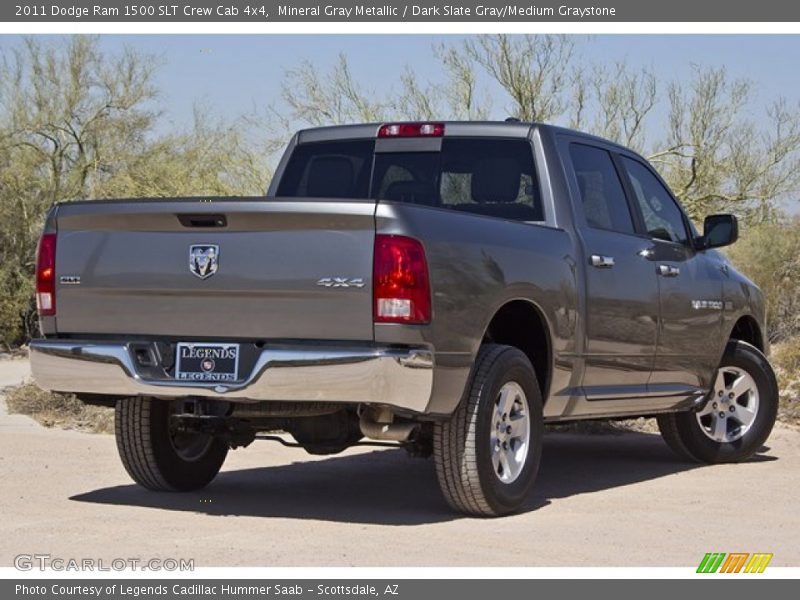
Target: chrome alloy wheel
732, 407
510, 433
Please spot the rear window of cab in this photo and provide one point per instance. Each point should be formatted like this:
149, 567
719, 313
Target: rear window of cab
487, 176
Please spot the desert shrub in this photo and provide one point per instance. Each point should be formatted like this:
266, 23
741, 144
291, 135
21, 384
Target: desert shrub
769, 254
786, 360
16, 317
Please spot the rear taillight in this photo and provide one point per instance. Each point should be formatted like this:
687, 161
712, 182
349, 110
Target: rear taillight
401, 289
46, 275
396, 130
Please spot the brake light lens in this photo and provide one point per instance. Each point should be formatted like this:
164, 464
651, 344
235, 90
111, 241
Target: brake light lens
46, 276
399, 130
401, 288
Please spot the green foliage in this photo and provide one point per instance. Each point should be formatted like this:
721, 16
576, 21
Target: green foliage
17, 322
716, 159
769, 254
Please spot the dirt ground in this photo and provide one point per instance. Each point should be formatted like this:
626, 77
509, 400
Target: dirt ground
601, 500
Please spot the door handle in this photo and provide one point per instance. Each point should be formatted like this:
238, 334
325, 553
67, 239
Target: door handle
602, 262
668, 271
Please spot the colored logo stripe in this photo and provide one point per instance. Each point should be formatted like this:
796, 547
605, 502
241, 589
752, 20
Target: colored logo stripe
734, 562
758, 563
713, 562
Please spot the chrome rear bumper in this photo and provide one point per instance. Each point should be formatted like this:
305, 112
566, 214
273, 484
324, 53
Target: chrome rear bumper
395, 377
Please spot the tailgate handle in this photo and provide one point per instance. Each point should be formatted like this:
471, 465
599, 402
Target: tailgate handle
203, 221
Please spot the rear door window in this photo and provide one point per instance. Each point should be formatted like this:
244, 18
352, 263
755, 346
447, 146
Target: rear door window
602, 195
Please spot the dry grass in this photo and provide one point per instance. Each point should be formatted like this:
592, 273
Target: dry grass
59, 410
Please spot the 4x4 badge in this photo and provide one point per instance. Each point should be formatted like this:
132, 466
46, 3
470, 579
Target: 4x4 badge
341, 282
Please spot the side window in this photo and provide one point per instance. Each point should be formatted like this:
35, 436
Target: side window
602, 195
662, 217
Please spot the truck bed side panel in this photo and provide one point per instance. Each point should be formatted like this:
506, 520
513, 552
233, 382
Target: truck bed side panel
477, 264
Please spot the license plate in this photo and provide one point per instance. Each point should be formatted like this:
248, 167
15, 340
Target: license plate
207, 362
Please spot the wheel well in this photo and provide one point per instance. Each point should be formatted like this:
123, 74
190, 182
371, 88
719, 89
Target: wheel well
747, 330
520, 324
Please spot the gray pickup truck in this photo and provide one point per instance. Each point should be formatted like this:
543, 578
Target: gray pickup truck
445, 287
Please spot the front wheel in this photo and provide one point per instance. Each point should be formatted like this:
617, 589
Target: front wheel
487, 454
738, 416
157, 456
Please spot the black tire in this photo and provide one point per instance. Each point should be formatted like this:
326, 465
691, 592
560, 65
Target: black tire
461, 445
684, 435
148, 449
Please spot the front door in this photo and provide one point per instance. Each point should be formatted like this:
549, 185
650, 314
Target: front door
690, 289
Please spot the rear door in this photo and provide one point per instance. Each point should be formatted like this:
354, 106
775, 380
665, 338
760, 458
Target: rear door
622, 290
690, 288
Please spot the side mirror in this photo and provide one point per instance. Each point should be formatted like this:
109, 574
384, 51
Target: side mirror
718, 231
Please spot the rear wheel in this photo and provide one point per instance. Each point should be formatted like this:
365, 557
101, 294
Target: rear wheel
159, 457
738, 416
487, 455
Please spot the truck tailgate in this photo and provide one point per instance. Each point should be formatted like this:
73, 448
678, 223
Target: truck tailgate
123, 267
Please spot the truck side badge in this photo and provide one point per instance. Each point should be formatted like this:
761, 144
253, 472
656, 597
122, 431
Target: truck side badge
203, 260
341, 282
707, 304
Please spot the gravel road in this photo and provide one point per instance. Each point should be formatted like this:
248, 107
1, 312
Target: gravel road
601, 500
